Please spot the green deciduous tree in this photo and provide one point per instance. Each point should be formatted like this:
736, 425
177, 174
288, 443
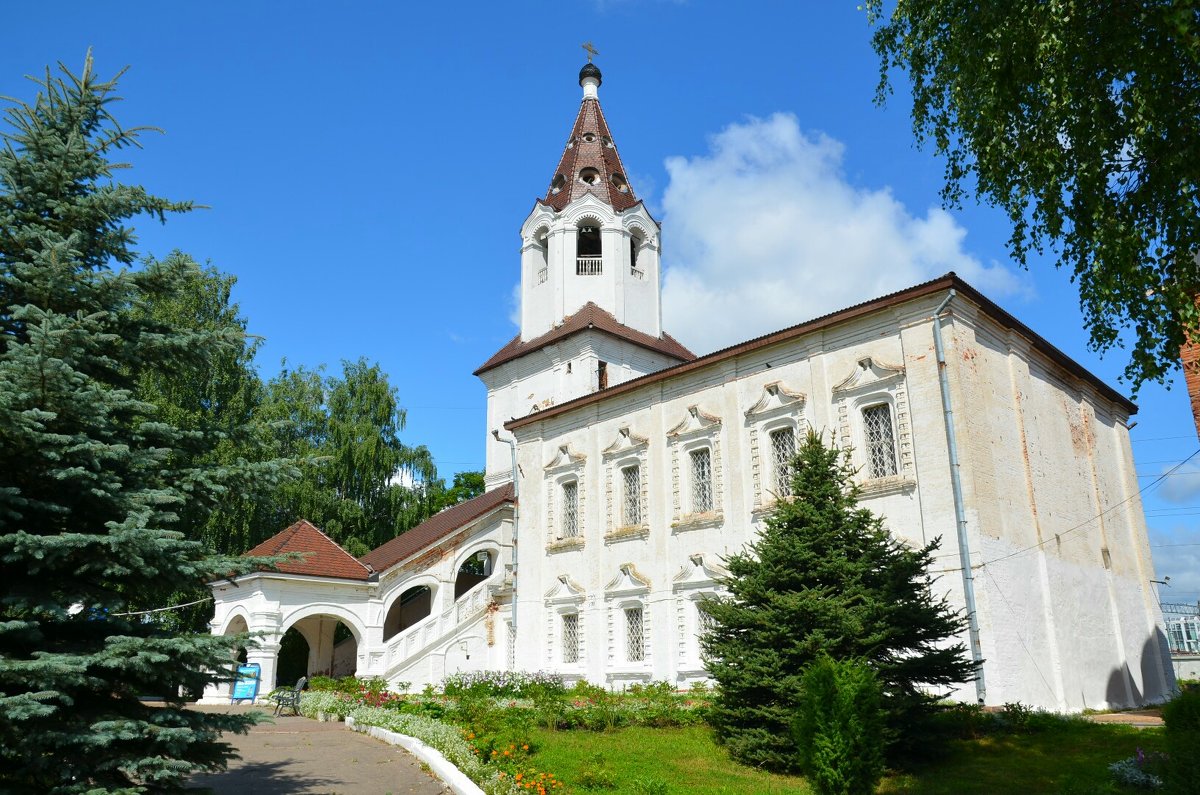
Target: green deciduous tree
93, 479
1082, 122
359, 482
824, 577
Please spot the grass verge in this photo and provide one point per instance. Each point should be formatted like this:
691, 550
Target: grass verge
1069, 757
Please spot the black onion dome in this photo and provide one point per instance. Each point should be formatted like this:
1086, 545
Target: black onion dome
589, 70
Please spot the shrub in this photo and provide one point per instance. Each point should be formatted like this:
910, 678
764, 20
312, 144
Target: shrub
502, 684
1140, 771
839, 732
596, 775
1182, 718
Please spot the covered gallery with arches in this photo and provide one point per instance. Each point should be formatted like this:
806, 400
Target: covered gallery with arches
420, 607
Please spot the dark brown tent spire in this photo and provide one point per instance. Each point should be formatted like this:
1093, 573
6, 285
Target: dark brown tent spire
590, 163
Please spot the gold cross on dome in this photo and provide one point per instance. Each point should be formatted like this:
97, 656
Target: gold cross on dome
591, 51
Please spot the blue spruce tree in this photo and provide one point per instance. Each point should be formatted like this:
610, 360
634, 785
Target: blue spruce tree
92, 479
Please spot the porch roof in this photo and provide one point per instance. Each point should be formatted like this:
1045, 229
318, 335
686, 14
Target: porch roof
436, 528
323, 557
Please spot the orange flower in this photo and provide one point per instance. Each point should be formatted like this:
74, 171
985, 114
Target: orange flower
525, 747
519, 776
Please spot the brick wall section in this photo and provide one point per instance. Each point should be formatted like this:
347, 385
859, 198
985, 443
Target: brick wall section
1190, 353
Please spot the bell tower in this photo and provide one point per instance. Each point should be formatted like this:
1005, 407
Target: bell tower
590, 239
591, 307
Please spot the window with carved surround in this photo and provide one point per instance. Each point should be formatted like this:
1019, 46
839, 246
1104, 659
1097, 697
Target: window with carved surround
570, 509
626, 597
873, 420
565, 641
696, 582
694, 449
783, 450
631, 495
635, 635
570, 637
564, 503
775, 422
880, 441
626, 484
701, 477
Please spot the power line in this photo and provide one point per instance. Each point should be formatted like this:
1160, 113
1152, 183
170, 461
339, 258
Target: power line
1086, 522
1110, 509
163, 609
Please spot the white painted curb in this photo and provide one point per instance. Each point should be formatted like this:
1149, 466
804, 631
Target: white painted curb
454, 778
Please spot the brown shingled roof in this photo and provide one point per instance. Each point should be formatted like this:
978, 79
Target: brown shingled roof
435, 528
324, 557
950, 281
590, 316
591, 146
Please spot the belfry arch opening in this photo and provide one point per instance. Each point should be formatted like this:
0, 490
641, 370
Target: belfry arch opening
541, 240
410, 607
636, 241
473, 571
589, 250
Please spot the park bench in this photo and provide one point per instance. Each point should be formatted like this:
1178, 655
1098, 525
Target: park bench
289, 699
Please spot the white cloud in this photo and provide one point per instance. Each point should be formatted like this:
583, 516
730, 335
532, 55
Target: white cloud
765, 231
1181, 486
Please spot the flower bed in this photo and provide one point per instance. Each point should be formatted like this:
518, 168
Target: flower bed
481, 722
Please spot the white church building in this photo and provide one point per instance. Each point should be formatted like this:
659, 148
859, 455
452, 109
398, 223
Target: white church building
621, 470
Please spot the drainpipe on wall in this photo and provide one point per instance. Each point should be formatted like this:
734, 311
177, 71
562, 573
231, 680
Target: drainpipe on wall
960, 515
512, 446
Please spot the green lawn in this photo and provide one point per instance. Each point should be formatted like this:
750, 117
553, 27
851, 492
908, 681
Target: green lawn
1070, 758
685, 760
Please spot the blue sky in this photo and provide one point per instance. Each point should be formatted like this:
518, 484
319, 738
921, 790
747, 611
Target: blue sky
367, 167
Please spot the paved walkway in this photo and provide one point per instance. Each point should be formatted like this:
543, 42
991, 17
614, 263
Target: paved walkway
298, 755
1142, 718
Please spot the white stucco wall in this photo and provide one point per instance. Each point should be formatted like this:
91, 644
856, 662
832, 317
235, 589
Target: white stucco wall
1064, 626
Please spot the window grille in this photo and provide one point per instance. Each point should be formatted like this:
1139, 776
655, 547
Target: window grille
631, 513
635, 641
881, 444
783, 450
704, 622
702, 497
570, 638
570, 509
512, 647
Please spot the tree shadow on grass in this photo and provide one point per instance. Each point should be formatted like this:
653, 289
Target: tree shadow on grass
259, 778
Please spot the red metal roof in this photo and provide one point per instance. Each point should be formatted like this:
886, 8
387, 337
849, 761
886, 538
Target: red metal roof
590, 316
947, 282
323, 558
591, 147
435, 528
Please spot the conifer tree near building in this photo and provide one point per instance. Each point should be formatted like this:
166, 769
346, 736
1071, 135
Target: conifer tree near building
825, 576
92, 479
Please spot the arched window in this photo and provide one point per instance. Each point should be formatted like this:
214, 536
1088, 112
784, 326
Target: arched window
880, 440
588, 250
636, 240
541, 239
412, 606
473, 571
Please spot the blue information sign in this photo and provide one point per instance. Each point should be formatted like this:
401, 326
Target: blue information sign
246, 684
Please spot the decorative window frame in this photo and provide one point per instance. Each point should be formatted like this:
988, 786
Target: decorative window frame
777, 408
563, 468
628, 449
697, 429
871, 383
698, 579
565, 597
630, 588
